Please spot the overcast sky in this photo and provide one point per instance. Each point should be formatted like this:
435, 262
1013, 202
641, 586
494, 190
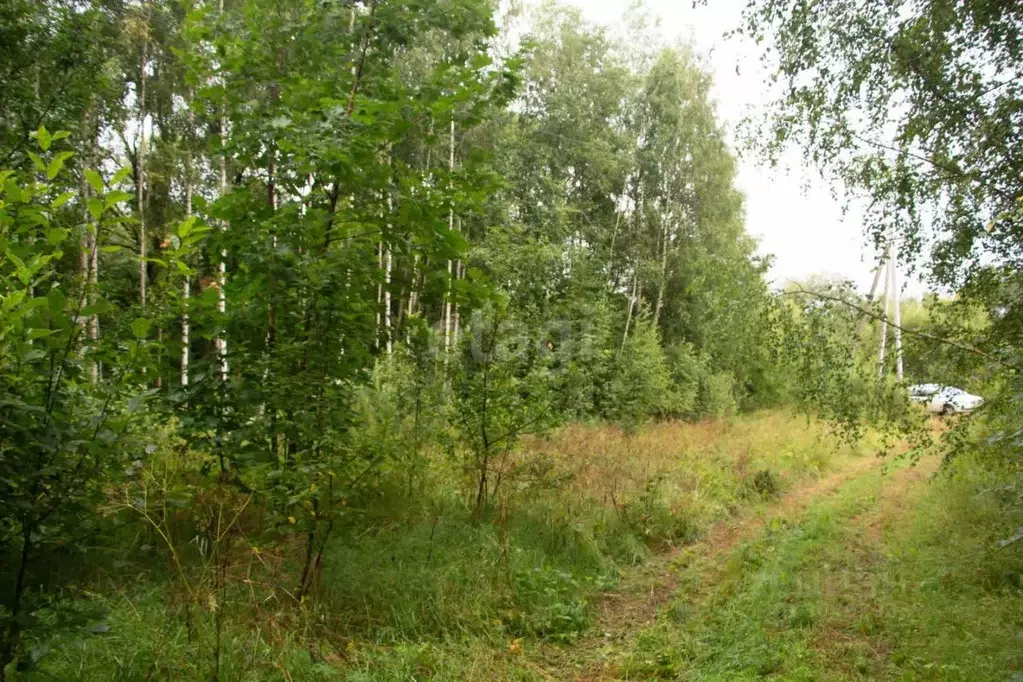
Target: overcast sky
792, 212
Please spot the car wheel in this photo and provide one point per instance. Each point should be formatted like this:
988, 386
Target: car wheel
946, 410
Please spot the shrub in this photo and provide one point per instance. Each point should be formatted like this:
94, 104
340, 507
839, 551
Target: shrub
688, 371
717, 396
640, 387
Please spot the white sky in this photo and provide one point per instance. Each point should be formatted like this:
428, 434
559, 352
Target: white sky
792, 212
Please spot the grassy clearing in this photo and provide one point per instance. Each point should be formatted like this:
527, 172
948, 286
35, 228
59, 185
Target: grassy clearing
890, 579
414, 587
574, 510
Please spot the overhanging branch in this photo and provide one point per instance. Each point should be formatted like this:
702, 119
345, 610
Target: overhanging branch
911, 332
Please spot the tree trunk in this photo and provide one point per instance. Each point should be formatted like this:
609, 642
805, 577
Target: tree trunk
186, 287
380, 293
388, 264
632, 305
140, 183
459, 274
665, 238
451, 226
413, 297
664, 274
220, 342
88, 259
387, 298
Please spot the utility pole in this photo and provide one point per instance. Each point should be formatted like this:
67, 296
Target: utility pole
870, 297
884, 315
891, 298
897, 300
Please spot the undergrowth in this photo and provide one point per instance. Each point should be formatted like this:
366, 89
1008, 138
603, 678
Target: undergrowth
415, 585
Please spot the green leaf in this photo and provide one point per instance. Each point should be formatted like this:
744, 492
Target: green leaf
137, 401
140, 327
480, 61
40, 166
14, 191
56, 235
97, 308
62, 199
95, 180
185, 227
95, 208
110, 248
57, 164
57, 300
43, 138
117, 196
18, 263
120, 175
40, 333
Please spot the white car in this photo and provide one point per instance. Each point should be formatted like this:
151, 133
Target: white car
944, 399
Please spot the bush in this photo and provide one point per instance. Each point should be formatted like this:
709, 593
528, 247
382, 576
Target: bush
763, 484
658, 522
640, 387
696, 389
688, 370
717, 396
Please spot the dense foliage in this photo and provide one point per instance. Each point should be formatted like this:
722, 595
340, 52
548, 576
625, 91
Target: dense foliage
914, 106
266, 263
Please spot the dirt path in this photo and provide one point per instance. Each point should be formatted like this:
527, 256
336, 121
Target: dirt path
643, 592
841, 635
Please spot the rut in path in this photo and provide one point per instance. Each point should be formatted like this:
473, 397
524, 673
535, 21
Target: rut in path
644, 591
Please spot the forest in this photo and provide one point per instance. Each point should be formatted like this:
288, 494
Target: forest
424, 339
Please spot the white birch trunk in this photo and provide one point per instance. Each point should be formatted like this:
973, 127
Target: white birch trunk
141, 183
896, 299
186, 287
459, 274
220, 342
387, 299
413, 294
88, 259
380, 292
451, 226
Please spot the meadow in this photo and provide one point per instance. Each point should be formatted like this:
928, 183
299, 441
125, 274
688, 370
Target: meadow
415, 585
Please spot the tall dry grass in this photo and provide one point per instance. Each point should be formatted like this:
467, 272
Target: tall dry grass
707, 467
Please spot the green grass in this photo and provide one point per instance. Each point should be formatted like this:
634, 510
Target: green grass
863, 586
576, 510
412, 587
